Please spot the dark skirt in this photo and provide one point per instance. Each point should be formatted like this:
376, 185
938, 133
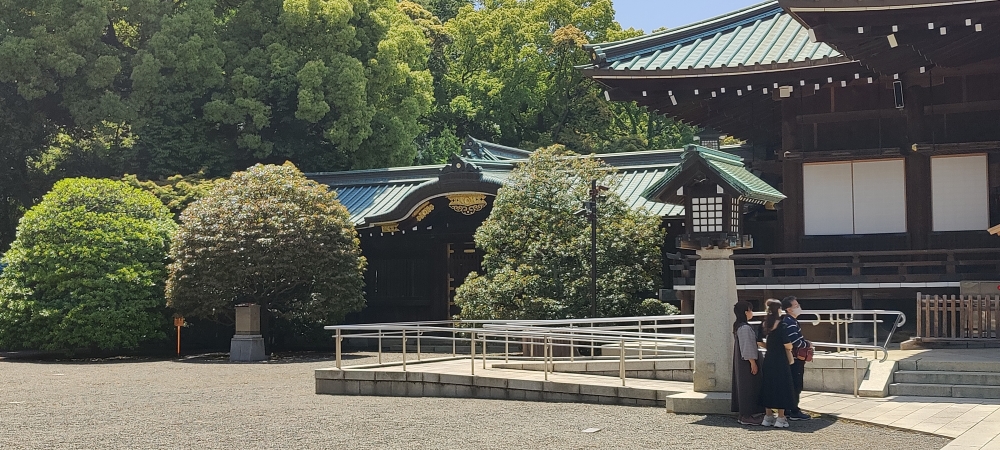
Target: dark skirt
746, 386
776, 390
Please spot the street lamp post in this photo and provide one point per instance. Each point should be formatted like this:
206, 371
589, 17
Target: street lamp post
590, 207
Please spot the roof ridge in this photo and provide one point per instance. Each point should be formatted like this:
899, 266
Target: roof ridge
719, 155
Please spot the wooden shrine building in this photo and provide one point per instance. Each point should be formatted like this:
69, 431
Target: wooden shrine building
416, 224
878, 119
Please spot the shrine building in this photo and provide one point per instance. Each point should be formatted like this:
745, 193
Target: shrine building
879, 120
416, 224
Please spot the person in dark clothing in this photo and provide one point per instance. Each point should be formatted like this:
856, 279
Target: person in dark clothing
794, 335
746, 373
776, 391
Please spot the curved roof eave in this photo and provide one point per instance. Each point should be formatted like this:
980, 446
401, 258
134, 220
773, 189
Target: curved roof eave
624, 46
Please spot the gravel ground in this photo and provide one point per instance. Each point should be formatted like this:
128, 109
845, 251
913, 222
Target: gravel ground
206, 402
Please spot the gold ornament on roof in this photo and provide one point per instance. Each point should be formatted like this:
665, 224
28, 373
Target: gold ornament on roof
390, 227
423, 211
467, 204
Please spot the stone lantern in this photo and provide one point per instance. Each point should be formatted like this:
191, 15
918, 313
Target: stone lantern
247, 344
715, 189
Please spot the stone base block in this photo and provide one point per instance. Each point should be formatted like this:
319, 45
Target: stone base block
880, 375
247, 348
700, 403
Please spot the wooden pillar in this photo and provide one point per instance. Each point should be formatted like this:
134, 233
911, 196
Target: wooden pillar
994, 182
918, 200
789, 125
916, 126
791, 207
791, 185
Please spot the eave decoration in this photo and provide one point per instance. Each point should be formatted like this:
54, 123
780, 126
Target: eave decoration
467, 204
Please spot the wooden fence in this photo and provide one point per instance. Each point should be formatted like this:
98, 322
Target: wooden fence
958, 316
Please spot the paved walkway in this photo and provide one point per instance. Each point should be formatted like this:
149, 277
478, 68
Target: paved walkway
972, 423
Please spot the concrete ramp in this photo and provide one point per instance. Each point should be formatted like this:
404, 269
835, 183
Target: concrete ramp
452, 377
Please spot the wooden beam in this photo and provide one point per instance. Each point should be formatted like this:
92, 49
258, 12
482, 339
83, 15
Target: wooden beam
847, 116
956, 148
953, 108
850, 154
995, 230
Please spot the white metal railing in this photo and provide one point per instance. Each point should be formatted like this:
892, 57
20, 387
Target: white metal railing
634, 337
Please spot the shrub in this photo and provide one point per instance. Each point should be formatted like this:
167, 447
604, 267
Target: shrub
86, 269
272, 237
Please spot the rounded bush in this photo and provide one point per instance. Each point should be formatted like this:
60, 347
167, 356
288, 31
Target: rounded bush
272, 237
86, 270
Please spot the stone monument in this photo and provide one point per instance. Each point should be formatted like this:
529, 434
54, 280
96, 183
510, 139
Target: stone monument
247, 344
716, 190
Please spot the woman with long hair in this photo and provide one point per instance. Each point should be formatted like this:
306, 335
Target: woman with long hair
746, 373
776, 392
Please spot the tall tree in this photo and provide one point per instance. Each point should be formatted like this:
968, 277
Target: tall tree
102, 88
327, 84
537, 251
512, 78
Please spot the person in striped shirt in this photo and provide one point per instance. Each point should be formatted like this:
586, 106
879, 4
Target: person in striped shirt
794, 334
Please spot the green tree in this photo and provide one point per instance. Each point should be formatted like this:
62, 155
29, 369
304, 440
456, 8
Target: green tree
103, 88
330, 85
267, 236
512, 78
86, 270
178, 191
445, 10
537, 251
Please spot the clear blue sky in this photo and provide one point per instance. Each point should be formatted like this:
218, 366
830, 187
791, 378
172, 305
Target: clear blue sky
649, 15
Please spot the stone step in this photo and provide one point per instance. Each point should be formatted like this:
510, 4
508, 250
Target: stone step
950, 366
947, 377
944, 390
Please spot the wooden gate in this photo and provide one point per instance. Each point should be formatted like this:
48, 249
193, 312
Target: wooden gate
958, 317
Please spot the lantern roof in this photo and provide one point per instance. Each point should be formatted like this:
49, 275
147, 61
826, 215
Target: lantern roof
724, 168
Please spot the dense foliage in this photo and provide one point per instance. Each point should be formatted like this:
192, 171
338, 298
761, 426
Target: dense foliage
103, 88
177, 191
86, 270
268, 236
509, 76
537, 251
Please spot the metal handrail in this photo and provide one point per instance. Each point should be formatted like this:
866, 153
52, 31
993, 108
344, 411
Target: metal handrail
570, 333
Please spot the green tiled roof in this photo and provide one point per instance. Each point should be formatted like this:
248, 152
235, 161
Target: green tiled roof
762, 36
374, 192
728, 167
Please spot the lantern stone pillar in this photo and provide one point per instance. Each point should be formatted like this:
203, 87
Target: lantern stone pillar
716, 190
715, 295
247, 344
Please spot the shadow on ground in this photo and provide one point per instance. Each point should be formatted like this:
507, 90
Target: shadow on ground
801, 426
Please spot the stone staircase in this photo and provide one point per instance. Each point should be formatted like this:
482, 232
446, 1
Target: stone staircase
958, 379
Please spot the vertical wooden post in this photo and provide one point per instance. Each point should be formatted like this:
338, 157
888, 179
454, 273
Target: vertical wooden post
178, 322
952, 316
979, 314
920, 310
